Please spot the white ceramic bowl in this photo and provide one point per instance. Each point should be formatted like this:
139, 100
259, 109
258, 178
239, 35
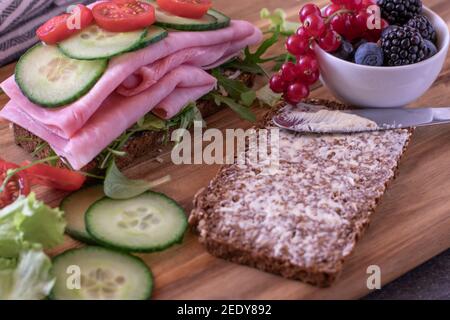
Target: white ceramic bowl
384, 87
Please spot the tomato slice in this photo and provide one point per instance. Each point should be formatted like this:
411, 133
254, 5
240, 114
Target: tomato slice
124, 16
53, 177
194, 9
17, 185
64, 26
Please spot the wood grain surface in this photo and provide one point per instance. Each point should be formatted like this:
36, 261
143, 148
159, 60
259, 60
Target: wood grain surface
411, 225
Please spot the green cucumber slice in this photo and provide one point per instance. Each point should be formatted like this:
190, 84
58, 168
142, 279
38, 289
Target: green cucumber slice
147, 223
75, 206
154, 35
97, 43
51, 79
211, 21
104, 274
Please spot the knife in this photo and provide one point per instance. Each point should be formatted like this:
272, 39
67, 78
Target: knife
317, 119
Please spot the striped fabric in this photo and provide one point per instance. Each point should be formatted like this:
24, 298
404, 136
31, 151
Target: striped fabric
19, 20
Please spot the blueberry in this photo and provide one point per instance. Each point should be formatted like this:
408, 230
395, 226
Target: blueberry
358, 43
369, 54
432, 50
345, 51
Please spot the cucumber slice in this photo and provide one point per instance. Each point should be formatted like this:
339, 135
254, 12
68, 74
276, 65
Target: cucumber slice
103, 275
50, 79
147, 223
97, 43
75, 206
154, 34
211, 21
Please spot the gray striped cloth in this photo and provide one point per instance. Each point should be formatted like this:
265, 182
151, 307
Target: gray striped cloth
19, 20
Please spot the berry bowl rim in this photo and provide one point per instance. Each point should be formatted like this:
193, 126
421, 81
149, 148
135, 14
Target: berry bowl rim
441, 50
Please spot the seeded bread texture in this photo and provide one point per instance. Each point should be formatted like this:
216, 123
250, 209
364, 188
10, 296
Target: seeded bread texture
302, 220
139, 145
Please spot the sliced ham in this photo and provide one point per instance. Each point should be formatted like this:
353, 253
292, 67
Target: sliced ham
172, 92
65, 121
161, 78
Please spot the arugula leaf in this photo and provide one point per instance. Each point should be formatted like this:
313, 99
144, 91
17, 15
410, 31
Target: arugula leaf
244, 112
245, 66
151, 122
247, 98
235, 88
117, 186
281, 59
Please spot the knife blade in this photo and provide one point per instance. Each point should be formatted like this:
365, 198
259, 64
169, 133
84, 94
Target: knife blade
317, 119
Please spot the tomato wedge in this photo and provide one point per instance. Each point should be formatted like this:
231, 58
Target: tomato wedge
17, 185
194, 9
53, 177
64, 26
124, 16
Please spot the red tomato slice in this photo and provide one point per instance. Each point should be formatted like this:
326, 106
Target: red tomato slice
124, 16
18, 185
53, 177
64, 26
194, 9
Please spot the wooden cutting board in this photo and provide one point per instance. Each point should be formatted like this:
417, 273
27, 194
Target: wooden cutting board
411, 225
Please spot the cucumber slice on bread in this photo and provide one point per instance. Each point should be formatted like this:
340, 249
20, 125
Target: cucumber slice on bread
149, 222
211, 21
75, 206
97, 43
103, 274
154, 35
50, 79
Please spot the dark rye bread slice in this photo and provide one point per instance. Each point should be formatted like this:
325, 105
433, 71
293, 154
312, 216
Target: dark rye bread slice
304, 219
139, 145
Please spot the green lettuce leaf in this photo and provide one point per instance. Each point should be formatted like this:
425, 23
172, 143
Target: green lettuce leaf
26, 278
28, 221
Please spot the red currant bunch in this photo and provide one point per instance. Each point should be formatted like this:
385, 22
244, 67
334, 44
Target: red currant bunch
342, 19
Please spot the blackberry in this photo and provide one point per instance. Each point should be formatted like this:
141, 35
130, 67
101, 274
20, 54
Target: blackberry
424, 26
403, 45
399, 11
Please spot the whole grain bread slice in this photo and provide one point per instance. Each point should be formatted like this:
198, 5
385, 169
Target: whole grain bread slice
303, 220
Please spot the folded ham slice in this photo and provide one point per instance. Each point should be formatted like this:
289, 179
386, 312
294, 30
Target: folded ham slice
163, 77
65, 121
118, 113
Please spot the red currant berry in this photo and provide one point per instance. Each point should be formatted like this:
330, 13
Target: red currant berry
297, 45
314, 25
331, 41
310, 78
307, 10
277, 84
296, 92
339, 2
338, 23
330, 9
302, 33
346, 25
353, 4
307, 64
367, 3
361, 20
289, 72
